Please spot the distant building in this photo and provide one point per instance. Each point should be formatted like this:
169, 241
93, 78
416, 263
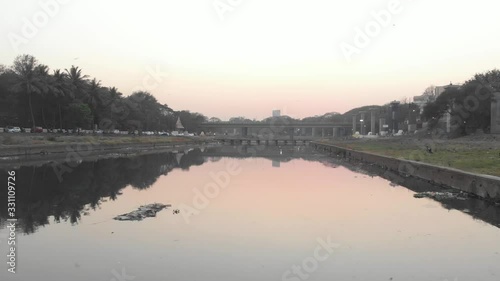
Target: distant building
422, 100
440, 89
446, 119
276, 113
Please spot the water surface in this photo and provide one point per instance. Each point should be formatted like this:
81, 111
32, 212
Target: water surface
243, 218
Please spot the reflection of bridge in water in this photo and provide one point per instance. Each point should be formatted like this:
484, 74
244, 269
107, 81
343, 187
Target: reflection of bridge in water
255, 141
279, 153
284, 128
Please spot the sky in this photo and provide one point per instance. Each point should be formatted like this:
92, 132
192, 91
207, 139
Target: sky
226, 58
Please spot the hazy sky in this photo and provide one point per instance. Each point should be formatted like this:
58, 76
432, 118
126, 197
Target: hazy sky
248, 57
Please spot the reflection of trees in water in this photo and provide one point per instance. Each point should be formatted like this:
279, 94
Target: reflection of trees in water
39, 194
478, 209
193, 157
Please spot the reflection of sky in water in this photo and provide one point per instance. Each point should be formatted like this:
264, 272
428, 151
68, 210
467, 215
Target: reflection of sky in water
264, 222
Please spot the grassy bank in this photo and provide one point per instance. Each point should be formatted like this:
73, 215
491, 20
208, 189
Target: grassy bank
467, 154
9, 140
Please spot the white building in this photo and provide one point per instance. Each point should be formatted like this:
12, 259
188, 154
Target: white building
276, 113
446, 119
423, 99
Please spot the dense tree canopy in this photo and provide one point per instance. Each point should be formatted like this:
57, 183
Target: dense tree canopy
469, 105
31, 95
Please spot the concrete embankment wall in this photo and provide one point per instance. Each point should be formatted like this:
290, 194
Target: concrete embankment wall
484, 186
20, 151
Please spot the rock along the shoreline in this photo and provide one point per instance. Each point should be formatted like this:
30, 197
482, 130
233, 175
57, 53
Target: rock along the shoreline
442, 195
143, 212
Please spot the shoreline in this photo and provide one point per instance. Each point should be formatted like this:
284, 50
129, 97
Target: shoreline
474, 206
486, 187
478, 154
13, 156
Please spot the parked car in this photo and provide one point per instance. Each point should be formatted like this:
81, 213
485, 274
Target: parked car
11, 129
37, 130
399, 133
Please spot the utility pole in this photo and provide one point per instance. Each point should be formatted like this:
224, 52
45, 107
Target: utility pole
394, 108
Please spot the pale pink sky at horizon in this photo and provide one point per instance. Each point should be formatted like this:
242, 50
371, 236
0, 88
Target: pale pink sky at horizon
264, 55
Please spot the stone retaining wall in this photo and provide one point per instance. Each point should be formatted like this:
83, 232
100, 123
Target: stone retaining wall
17, 151
484, 186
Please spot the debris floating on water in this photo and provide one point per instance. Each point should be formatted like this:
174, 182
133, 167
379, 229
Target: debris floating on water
143, 212
442, 195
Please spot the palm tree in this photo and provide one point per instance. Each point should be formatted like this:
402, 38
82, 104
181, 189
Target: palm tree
94, 92
43, 74
61, 90
108, 100
114, 93
30, 78
77, 82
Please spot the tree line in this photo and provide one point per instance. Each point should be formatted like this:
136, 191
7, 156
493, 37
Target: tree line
469, 105
32, 95
45, 195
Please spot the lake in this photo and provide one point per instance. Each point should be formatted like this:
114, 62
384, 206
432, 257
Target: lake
244, 213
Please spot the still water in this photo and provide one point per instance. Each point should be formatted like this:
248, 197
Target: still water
286, 214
